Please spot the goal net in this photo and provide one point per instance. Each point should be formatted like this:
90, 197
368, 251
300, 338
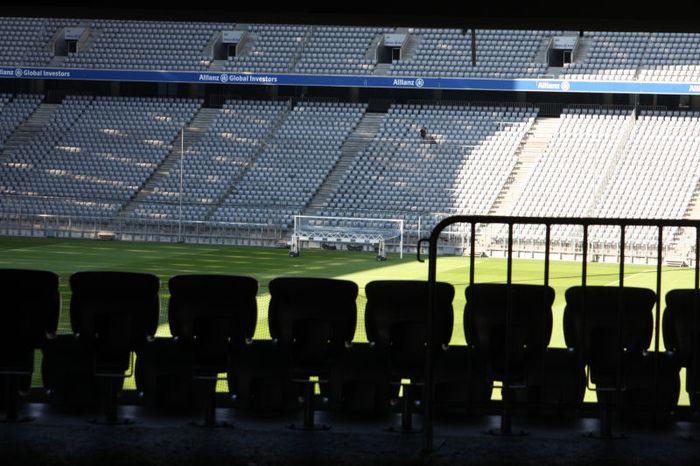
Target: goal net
349, 231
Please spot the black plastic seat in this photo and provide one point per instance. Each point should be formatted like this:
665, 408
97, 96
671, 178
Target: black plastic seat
681, 331
211, 317
612, 328
396, 323
29, 313
313, 321
518, 355
112, 315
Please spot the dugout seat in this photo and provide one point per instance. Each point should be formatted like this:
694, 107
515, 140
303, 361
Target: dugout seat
112, 315
611, 329
29, 312
211, 317
313, 322
513, 345
681, 331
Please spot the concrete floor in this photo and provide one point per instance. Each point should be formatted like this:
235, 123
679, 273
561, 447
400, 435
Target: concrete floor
156, 440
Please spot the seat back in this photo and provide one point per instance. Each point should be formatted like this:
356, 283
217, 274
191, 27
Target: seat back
530, 323
314, 317
681, 325
115, 312
29, 310
591, 324
396, 319
213, 313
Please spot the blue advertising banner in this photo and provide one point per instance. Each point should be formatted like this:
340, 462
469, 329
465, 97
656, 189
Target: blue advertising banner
481, 84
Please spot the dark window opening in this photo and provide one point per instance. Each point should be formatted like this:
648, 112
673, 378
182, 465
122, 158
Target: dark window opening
560, 57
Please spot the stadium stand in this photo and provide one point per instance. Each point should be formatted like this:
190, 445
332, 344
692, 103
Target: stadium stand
401, 174
14, 111
656, 165
141, 44
293, 164
572, 170
671, 57
94, 156
611, 56
339, 50
342, 50
274, 49
221, 157
501, 54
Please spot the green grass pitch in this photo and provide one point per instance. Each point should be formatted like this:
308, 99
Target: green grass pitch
65, 257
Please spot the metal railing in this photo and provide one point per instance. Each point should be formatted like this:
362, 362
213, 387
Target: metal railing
548, 222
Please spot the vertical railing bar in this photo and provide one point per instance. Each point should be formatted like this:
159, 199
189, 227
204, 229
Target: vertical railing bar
584, 269
696, 309
429, 369
659, 262
584, 258
620, 322
545, 310
505, 391
472, 251
657, 318
697, 257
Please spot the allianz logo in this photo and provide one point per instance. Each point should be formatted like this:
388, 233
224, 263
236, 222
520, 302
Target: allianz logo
554, 86
419, 82
694, 88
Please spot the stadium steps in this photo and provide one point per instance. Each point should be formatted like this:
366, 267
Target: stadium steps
371, 53
412, 44
193, 133
356, 142
583, 48
592, 210
28, 130
217, 65
57, 61
542, 51
208, 50
263, 145
381, 69
93, 36
683, 241
529, 152
300, 51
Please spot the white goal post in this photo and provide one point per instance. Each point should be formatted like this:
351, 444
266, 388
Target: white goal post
348, 231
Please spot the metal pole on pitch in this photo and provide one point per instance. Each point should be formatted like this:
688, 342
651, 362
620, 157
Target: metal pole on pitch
401, 241
182, 156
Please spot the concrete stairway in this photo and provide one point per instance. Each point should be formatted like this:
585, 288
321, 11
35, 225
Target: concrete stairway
28, 130
531, 148
356, 142
681, 248
193, 133
261, 148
